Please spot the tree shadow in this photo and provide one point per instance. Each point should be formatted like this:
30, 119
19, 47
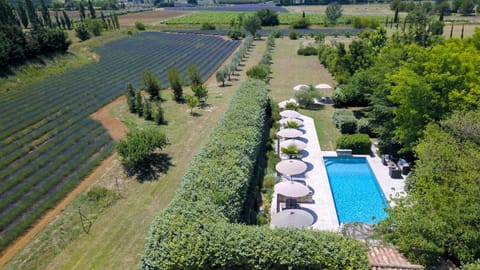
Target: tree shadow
196, 114
151, 168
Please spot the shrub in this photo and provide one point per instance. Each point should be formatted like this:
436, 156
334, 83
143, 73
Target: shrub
309, 50
208, 26
293, 35
345, 121
359, 143
81, 31
258, 72
139, 26
303, 23
235, 34
363, 126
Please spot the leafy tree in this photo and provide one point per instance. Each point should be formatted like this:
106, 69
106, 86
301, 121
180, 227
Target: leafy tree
305, 97
175, 84
220, 76
192, 102
436, 28
201, 93
194, 74
137, 149
257, 72
94, 26
158, 113
268, 17
151, 84
437, 221
130, 95
147, 110
467, 7
333, 12
139, 102
252, 24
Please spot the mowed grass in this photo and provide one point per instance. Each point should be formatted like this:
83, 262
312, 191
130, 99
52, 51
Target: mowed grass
116, 238
290, 69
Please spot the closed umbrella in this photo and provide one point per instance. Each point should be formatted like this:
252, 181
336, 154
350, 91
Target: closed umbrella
284, 121
292, 218
291, 189
289, 133
292, 142
290, 114
291, 167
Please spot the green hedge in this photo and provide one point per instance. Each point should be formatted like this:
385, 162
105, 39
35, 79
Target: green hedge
200, 229
345, 121
359, 143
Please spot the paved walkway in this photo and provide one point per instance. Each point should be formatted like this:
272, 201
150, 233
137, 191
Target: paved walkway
323, 208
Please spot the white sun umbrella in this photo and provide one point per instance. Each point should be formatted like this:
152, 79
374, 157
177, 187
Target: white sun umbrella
292, 142
292, 218
291, 189
323, 86
299, 87
289, 133
285, 121
291, 167
290, 114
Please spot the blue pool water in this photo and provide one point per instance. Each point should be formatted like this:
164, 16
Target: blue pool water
356, 193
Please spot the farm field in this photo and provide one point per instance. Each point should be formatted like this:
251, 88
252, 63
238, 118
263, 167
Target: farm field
117, 237
148, 17
48, 142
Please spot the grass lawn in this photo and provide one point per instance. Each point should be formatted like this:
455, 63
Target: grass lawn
290, 69
116, 239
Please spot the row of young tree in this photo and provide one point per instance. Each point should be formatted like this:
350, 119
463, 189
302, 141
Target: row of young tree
43, 36
421, 98
440, 7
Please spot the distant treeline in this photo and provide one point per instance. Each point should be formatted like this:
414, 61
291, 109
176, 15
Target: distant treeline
321, 2
24, 34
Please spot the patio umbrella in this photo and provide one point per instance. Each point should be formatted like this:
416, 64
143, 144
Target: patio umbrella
289, 133
292, 142
299, 87
291, 189
294, 218
291, 167
290, 114
323, 86
284, 121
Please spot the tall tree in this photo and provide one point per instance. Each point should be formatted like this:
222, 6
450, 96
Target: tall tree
47, 21
252, 24
22, 12
151, 84
194, 74
269, 17
81, 10
220, 76
68, 22
192, 102
333, 12
175, 84
91, 9
32, 13
130, 95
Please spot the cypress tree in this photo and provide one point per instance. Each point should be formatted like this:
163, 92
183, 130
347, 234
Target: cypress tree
130, 94
81, 11
57, 20
102, 16
395, 17
22, 12
461, 35
158, 113
68, 22
147, 110
47, 21
91, 10
175, 84
31, 13
115, 20
138, 102
451, 31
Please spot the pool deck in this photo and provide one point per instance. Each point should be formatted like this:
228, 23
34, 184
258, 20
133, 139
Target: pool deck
323, 207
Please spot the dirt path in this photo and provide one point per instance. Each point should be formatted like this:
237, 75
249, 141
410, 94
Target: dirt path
118, 131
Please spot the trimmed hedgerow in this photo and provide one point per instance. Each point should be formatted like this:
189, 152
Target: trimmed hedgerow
200, 229
359, 143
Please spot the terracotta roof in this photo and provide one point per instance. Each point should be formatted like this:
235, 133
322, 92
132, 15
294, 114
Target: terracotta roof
388, 258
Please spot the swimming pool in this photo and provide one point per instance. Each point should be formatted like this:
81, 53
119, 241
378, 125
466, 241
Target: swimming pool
356, 193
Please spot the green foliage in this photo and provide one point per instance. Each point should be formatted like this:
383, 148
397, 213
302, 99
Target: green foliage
192, 102
151, 84
291, 151
130, 95
309, 50
303, 23
437, 221
235, 34
268, 17
199, 229
136, 150
306, 97
81, 31
194, 74
293, 35
158, 113
345, 121
221, 76
359, 143
207, 26
252, 24
365, 22
139, 26
175, 84
258, 72
94, 26
333, 12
